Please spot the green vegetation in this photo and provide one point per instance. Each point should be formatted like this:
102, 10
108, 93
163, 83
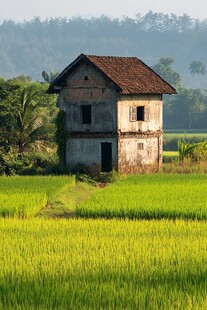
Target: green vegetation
27, 131
61, 136
99, 263
169, 156
84, 264
171, 138
164, 69
150, 197
25, 196
147, 36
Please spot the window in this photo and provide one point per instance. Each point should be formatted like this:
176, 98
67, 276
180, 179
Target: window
86, 114
140, 146
140, 113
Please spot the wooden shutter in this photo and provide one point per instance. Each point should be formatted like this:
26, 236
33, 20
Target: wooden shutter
146, 113
133, 114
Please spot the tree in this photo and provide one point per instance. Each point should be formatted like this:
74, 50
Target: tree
49, 78
187, 109
9, 95
165, 70
197, 68
29, 119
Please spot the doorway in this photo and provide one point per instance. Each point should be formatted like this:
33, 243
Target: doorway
106, 157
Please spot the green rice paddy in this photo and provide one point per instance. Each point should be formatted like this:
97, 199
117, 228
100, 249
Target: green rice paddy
25, 196
143, 246
150, 197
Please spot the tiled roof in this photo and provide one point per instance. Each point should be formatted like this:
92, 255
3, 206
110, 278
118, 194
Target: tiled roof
129, 74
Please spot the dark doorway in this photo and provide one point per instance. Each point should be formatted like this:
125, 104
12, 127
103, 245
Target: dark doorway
106, 157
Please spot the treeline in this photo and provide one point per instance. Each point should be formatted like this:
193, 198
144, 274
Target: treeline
33, 46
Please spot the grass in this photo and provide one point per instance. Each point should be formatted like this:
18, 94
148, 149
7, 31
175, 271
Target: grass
26, 196
150, 197
104, 264
169, 156
64, 205
85, 264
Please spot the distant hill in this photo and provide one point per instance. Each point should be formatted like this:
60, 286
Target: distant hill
31, 47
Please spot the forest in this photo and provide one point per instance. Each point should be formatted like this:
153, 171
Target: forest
33, 46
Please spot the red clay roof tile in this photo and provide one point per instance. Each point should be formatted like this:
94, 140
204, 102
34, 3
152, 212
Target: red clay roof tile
130, 74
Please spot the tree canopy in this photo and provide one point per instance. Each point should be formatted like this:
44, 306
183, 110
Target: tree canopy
35, 46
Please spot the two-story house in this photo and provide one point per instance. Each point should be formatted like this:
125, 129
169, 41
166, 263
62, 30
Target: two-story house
114, 113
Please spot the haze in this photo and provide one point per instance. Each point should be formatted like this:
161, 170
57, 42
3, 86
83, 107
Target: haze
26, 9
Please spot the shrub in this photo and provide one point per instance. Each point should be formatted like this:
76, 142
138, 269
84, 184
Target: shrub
107, 177
85, 178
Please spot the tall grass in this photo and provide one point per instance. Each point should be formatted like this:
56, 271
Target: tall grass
85, 264
150, 197
25, 196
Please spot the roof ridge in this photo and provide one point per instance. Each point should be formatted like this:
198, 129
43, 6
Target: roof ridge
110, 56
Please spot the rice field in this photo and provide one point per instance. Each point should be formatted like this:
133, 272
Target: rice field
99, 264
25, 196
125, 262
150, 197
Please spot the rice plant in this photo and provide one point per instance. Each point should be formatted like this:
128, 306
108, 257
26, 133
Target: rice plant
25, 196
99, 264
150, 197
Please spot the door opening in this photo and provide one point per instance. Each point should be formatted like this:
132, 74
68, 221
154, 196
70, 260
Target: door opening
106, 157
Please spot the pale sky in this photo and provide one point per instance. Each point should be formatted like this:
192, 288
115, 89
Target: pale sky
20, 10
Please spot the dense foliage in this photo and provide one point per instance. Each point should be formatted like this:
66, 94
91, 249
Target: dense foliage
27, 117
61, 136
33, 46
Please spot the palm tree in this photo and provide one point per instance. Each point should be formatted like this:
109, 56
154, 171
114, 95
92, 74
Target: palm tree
29, 119
197, 68
49, 78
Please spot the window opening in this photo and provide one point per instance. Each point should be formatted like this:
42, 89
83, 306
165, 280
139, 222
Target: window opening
86, 78
86, 114
140, 113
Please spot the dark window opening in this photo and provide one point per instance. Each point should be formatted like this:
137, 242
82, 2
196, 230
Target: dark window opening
140, 113
86, 78
86, 114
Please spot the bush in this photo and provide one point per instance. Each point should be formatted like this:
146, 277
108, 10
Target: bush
57, 169
80, 169
107, 177
85, 178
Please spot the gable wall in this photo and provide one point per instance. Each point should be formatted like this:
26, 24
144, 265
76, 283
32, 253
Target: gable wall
95, 91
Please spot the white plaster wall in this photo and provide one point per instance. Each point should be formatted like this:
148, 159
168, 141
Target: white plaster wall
88, 151
132, 160
153, 102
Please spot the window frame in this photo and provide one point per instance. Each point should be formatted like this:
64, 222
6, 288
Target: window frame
133, 113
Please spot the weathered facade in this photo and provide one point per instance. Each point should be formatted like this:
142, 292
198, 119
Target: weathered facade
113, 111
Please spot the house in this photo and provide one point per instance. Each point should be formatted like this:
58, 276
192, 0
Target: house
114, 113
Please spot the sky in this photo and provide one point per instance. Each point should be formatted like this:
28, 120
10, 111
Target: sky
20, 10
